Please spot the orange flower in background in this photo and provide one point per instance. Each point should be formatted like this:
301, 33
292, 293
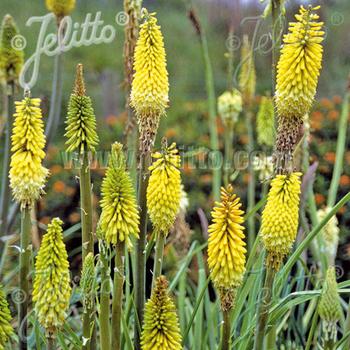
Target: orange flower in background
59, 186
319, 198
330, 157
55, 169
243, 139
188, 168
333, 115
344, 180
317, 115
111, 120
206, 178
74, 218
170, 133
326, 103
45, 220
70, 191
337, 99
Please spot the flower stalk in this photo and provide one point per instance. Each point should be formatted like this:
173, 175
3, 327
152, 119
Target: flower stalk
149, 100
158, 258
82, 137
263, 311
118, 295
105, 292
24, 268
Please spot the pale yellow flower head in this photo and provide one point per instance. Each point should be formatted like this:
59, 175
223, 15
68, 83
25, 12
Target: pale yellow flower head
299, 65
164, 188
27, 175
280, 217
52, 288
229, 106
150, 87
226, 246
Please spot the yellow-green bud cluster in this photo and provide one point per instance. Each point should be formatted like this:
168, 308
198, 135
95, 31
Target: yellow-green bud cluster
6, 329
160, 329
52, 288
120, 216
87, 282
329, 307
81, 121
265, 122
11, 59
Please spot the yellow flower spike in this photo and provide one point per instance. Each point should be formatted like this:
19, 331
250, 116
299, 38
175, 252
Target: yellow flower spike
60, 8
329, 308
120, 217
160, 329
299, 65
164, 189
280, 218
150, 86
226, 246
27, 175
81, 121
11, 60
247, 76
6, 329
52, 288
265, 121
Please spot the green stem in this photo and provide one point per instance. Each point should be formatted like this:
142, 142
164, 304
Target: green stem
51, 343
228, 153
24, 266
5, 190
118, 295
263, 312
271, 338
158, 258
276, 30
56, 96
226, 330
140, 259
251, 183
341, 142
87, 236
105, 292
214, 140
